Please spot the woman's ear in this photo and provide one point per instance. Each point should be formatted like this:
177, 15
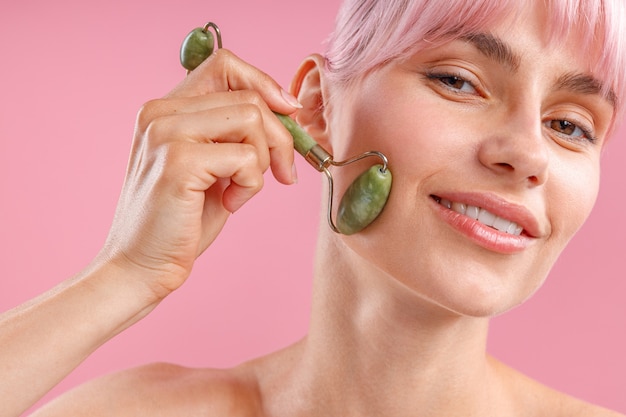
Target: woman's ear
308, 87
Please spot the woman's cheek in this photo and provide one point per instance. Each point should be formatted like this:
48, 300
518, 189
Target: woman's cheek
404, 125
572, 197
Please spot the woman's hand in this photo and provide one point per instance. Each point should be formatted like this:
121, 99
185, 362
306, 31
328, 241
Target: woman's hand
198, 155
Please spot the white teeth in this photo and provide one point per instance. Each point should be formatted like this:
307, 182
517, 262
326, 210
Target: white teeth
503, 225
486, 217
472, 211
459, 207
483, 216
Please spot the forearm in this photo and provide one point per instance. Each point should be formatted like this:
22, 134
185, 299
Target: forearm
45, 339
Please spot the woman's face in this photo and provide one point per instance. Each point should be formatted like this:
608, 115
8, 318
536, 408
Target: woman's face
494, 143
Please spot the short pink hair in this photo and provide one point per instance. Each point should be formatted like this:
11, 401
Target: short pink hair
370, 33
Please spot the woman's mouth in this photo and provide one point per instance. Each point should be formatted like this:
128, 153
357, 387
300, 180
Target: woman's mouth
482, 216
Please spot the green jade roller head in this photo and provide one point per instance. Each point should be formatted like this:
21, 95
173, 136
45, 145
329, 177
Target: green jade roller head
198, 46
364, 199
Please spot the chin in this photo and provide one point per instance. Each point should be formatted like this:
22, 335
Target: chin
477, 291
486, 301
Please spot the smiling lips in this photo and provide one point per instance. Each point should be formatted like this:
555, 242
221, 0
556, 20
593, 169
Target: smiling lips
489, 220
483, 216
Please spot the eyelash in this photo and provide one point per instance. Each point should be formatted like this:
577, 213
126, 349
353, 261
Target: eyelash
440, 76
587, 134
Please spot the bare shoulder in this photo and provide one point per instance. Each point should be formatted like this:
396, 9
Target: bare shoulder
567, 406
536, 399
161, 390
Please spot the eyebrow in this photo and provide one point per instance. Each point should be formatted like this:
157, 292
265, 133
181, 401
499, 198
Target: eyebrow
494, 48
586, 84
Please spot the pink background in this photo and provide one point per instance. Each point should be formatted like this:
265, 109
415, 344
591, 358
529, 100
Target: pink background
74, 74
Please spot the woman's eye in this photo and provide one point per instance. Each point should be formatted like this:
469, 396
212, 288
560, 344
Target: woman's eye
454, 82
457, 83
567, 128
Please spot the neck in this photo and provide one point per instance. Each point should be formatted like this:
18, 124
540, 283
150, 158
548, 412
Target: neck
387, 350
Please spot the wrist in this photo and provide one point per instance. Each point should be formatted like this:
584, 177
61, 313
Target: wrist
149, 283
121, 291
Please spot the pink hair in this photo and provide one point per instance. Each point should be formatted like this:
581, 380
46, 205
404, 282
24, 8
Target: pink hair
370, 33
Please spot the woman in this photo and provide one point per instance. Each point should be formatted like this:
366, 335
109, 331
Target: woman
494, 116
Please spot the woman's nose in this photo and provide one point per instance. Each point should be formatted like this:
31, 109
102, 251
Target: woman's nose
517, 151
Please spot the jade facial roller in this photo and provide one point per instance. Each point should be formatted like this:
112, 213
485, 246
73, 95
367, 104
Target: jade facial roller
365, 197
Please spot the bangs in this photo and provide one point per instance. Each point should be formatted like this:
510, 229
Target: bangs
370, 33
601, 28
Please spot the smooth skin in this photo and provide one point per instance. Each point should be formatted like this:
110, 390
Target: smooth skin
400, 311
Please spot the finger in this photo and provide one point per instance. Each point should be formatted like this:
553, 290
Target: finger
223, 71
232, 124
239, 163
156, 109
236, 120
281, 156
196, 167
246, 124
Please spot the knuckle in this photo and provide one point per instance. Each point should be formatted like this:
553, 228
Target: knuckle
251, 114
253, 97
251, 161
257, 183
223, 59
158, 130
224, 54
248, 155
147, 113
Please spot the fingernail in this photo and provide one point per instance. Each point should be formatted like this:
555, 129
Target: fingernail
291, 100
294, 174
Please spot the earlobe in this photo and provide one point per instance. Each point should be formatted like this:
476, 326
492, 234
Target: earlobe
308, 86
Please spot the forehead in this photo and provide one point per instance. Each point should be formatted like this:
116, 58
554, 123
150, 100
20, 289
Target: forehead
586, 36
530, 36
